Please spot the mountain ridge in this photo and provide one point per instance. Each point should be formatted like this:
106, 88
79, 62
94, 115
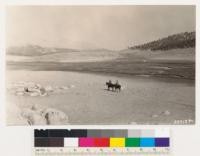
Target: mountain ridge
175, 41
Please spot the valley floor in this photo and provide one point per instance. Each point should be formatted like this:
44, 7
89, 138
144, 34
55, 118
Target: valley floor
141, 101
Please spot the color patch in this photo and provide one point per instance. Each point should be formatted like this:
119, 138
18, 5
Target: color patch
162, 133
134, 133
147, 142
56, 142
41, 142
108, 133
101, 142
147, 133
117, 142
94, 133
57, 133
162, 142
41, 133
120, 133
71, 142
77, 133
132, 142
102, 138
86, 142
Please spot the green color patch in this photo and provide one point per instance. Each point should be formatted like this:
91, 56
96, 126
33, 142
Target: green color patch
132, 142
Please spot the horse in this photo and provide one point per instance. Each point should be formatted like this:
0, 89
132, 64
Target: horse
114, 87
110, 85
117, 87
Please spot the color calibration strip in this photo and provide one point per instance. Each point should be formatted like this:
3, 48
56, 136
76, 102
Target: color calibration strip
104, 141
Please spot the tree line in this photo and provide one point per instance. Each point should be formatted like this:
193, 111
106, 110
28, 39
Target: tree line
181, 40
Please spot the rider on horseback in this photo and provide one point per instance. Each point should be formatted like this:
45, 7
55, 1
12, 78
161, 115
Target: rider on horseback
117, 83
117, 86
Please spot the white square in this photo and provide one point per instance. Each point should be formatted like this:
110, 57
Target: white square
71, 142
162, 133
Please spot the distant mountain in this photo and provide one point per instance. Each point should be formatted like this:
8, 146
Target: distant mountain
181, 40
98, 50
35, 50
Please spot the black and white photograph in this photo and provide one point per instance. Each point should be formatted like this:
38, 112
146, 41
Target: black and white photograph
100, 65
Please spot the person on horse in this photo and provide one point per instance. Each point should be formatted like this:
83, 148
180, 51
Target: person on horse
117, 86
117, 83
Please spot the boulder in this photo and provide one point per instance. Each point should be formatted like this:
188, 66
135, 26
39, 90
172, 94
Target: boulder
64, 87
34, 93
49, 88
43, 91
33, 117
33, 89
54, 116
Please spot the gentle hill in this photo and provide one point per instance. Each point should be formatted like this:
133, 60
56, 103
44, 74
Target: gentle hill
181, 40
34, 53
35, 50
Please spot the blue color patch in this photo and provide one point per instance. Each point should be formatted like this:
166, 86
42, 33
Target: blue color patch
147, 142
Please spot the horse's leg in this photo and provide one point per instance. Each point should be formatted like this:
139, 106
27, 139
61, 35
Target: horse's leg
119, 89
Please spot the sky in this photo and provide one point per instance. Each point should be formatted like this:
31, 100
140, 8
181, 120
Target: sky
91, 27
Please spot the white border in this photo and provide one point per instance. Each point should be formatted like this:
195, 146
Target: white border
23, 147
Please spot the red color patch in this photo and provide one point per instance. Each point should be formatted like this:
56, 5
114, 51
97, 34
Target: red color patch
101, 142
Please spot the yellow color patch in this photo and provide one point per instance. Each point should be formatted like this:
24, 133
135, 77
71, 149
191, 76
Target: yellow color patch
117, 142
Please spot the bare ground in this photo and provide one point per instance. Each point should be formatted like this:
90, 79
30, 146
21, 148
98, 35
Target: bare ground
142, 100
